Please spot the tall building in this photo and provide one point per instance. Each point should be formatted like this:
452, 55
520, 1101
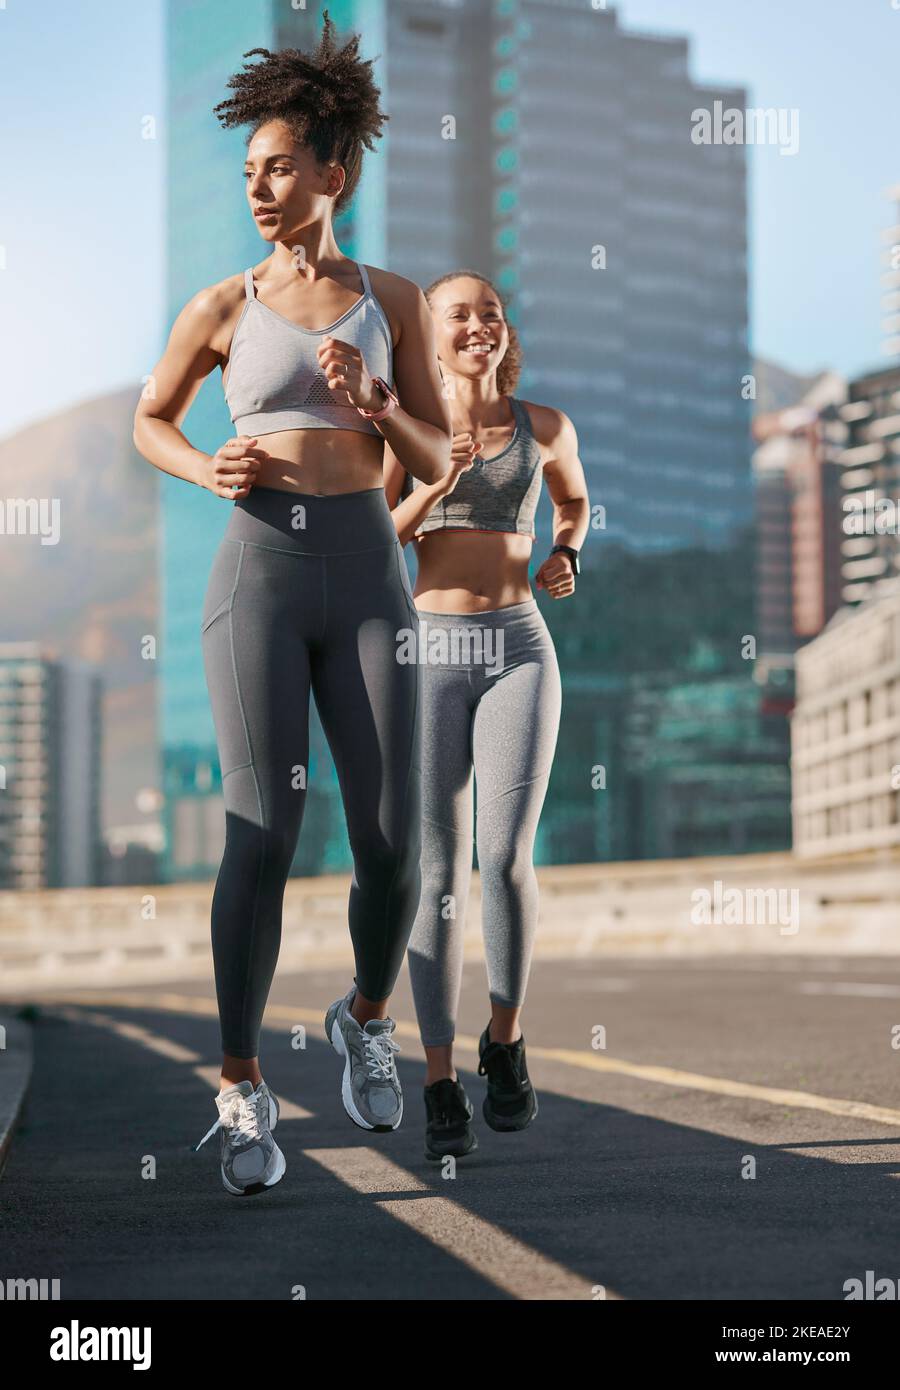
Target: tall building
572, 181
845, 731
774, 555
871, 483
537, 142
50, 771
816, 510
797, 471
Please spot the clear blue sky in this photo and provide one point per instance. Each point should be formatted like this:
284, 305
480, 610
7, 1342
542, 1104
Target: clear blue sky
82, 222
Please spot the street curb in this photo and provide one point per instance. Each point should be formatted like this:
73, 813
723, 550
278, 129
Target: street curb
15, 1078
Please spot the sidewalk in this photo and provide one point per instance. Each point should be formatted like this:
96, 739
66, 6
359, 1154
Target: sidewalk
15, 1075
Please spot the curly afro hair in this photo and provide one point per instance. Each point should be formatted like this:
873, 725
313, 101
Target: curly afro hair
510, 368
326, 98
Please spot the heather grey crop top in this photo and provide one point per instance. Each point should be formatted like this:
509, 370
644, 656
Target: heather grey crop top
274, 380
495, 494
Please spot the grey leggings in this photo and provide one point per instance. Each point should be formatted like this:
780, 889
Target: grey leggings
310, 592
491, 702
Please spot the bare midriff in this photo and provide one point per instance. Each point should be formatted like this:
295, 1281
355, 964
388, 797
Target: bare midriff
465, 571
323, 462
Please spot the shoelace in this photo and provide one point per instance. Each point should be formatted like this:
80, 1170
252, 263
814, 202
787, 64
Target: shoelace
448, 1107
240, 1114
498, 1065
380, 1049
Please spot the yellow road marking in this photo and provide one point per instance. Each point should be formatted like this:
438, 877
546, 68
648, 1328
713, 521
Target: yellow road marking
719, 1085
583, 1059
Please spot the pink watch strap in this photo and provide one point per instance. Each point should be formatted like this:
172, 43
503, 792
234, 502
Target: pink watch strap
391, 402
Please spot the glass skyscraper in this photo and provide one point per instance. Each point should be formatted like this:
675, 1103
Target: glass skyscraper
539, 143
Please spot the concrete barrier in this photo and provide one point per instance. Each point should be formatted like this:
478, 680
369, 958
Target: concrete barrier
79, 937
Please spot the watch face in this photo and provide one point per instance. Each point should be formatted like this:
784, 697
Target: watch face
572, 554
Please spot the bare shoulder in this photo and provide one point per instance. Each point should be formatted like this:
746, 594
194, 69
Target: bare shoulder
402, 300
552, 428
393, 289
209, 315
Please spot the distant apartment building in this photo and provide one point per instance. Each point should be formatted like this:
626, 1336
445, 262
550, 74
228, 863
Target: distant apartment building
50, 771
871, 485
797, 470
845, 731
94, 596
774, 558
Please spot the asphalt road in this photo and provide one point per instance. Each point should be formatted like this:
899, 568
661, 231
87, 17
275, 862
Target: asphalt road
631, 1182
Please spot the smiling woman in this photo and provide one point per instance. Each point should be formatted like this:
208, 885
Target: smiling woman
495, 726
324, 359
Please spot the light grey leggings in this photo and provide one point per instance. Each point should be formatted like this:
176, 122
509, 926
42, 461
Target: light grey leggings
491, 701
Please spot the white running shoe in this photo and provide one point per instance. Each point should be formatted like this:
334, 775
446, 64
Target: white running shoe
251, 1160
370, 1088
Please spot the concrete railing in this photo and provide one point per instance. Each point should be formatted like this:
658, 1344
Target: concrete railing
765, 903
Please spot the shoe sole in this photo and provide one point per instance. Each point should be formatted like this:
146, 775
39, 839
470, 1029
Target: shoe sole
336, 1038
434, 1157
503, 1125
253, 1188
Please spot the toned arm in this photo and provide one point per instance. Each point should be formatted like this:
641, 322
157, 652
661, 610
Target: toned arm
563, 475
418, 434
191, 354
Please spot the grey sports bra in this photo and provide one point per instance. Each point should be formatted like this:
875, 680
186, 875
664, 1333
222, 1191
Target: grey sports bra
274, 380
495, 494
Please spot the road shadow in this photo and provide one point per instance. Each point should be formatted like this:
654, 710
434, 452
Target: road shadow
648, 1209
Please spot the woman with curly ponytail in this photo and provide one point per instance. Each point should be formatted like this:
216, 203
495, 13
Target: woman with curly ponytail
323, 359
491, 697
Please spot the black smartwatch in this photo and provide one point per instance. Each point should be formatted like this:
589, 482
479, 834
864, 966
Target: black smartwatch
572, 554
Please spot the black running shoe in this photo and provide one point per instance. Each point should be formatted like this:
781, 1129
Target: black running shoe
448, 1127
510, 1103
